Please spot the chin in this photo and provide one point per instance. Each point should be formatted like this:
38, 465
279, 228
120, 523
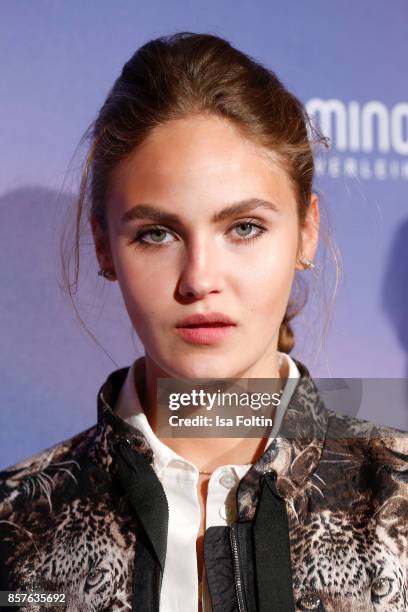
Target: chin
203, 366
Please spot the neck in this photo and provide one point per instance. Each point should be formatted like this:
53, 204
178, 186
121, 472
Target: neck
209, 452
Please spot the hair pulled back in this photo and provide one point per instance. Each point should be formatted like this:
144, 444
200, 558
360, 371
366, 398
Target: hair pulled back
185, 73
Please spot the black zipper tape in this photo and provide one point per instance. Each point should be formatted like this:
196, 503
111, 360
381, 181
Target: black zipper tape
270, 530
147, 497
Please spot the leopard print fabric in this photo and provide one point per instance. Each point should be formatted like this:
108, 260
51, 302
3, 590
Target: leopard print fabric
66, 531
348, 522
66, 524
345, 486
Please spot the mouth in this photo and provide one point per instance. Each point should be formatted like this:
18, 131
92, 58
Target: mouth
205, 333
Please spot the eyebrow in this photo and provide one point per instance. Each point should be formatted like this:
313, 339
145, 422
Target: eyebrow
147, 211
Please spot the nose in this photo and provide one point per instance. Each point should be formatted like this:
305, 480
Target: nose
201, 272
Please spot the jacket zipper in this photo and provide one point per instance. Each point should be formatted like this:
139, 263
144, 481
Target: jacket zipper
157, 594
237, 570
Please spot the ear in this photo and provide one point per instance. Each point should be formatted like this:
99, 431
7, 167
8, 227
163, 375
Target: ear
102, 250
309, 232
392, 517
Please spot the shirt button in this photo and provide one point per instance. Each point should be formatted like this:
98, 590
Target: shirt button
228, 480
223, 512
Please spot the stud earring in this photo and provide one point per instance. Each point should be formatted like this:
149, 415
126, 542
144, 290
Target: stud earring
105, 273
308, 263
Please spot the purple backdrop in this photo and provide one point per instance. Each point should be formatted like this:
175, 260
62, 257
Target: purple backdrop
58, 62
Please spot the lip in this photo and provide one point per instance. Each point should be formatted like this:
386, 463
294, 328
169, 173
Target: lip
205, 329
206, 319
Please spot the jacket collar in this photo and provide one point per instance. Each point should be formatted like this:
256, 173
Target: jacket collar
293, 454
111, 429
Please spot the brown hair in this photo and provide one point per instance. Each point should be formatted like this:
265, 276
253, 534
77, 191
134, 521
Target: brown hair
174, 76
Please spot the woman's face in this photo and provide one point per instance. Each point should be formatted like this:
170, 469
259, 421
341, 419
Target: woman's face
201, 221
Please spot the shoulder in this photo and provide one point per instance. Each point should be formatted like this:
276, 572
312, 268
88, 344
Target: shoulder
341, 425
348, 426
370, 444
40, 472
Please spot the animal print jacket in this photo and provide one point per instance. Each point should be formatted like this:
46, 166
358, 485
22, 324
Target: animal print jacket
322, 518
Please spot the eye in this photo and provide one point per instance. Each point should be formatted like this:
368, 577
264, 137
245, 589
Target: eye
94, 578
156, 232
381, 587
248, 225
310, 601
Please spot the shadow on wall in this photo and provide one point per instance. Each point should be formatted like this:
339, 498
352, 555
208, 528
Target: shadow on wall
394, 297
50, 369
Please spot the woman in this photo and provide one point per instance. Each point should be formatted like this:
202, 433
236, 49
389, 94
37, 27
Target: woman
199, 186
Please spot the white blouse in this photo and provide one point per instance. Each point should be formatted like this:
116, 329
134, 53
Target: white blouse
180, 588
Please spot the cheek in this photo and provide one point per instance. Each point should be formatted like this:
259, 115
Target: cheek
272, 286
268, 283
146, 291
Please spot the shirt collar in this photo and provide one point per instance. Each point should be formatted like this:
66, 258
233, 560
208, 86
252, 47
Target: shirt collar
293, 454
129, 408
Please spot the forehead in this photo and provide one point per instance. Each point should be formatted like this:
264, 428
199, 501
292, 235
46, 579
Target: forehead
200, 159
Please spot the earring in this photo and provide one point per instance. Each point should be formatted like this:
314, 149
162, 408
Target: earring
308, 263
105, 273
